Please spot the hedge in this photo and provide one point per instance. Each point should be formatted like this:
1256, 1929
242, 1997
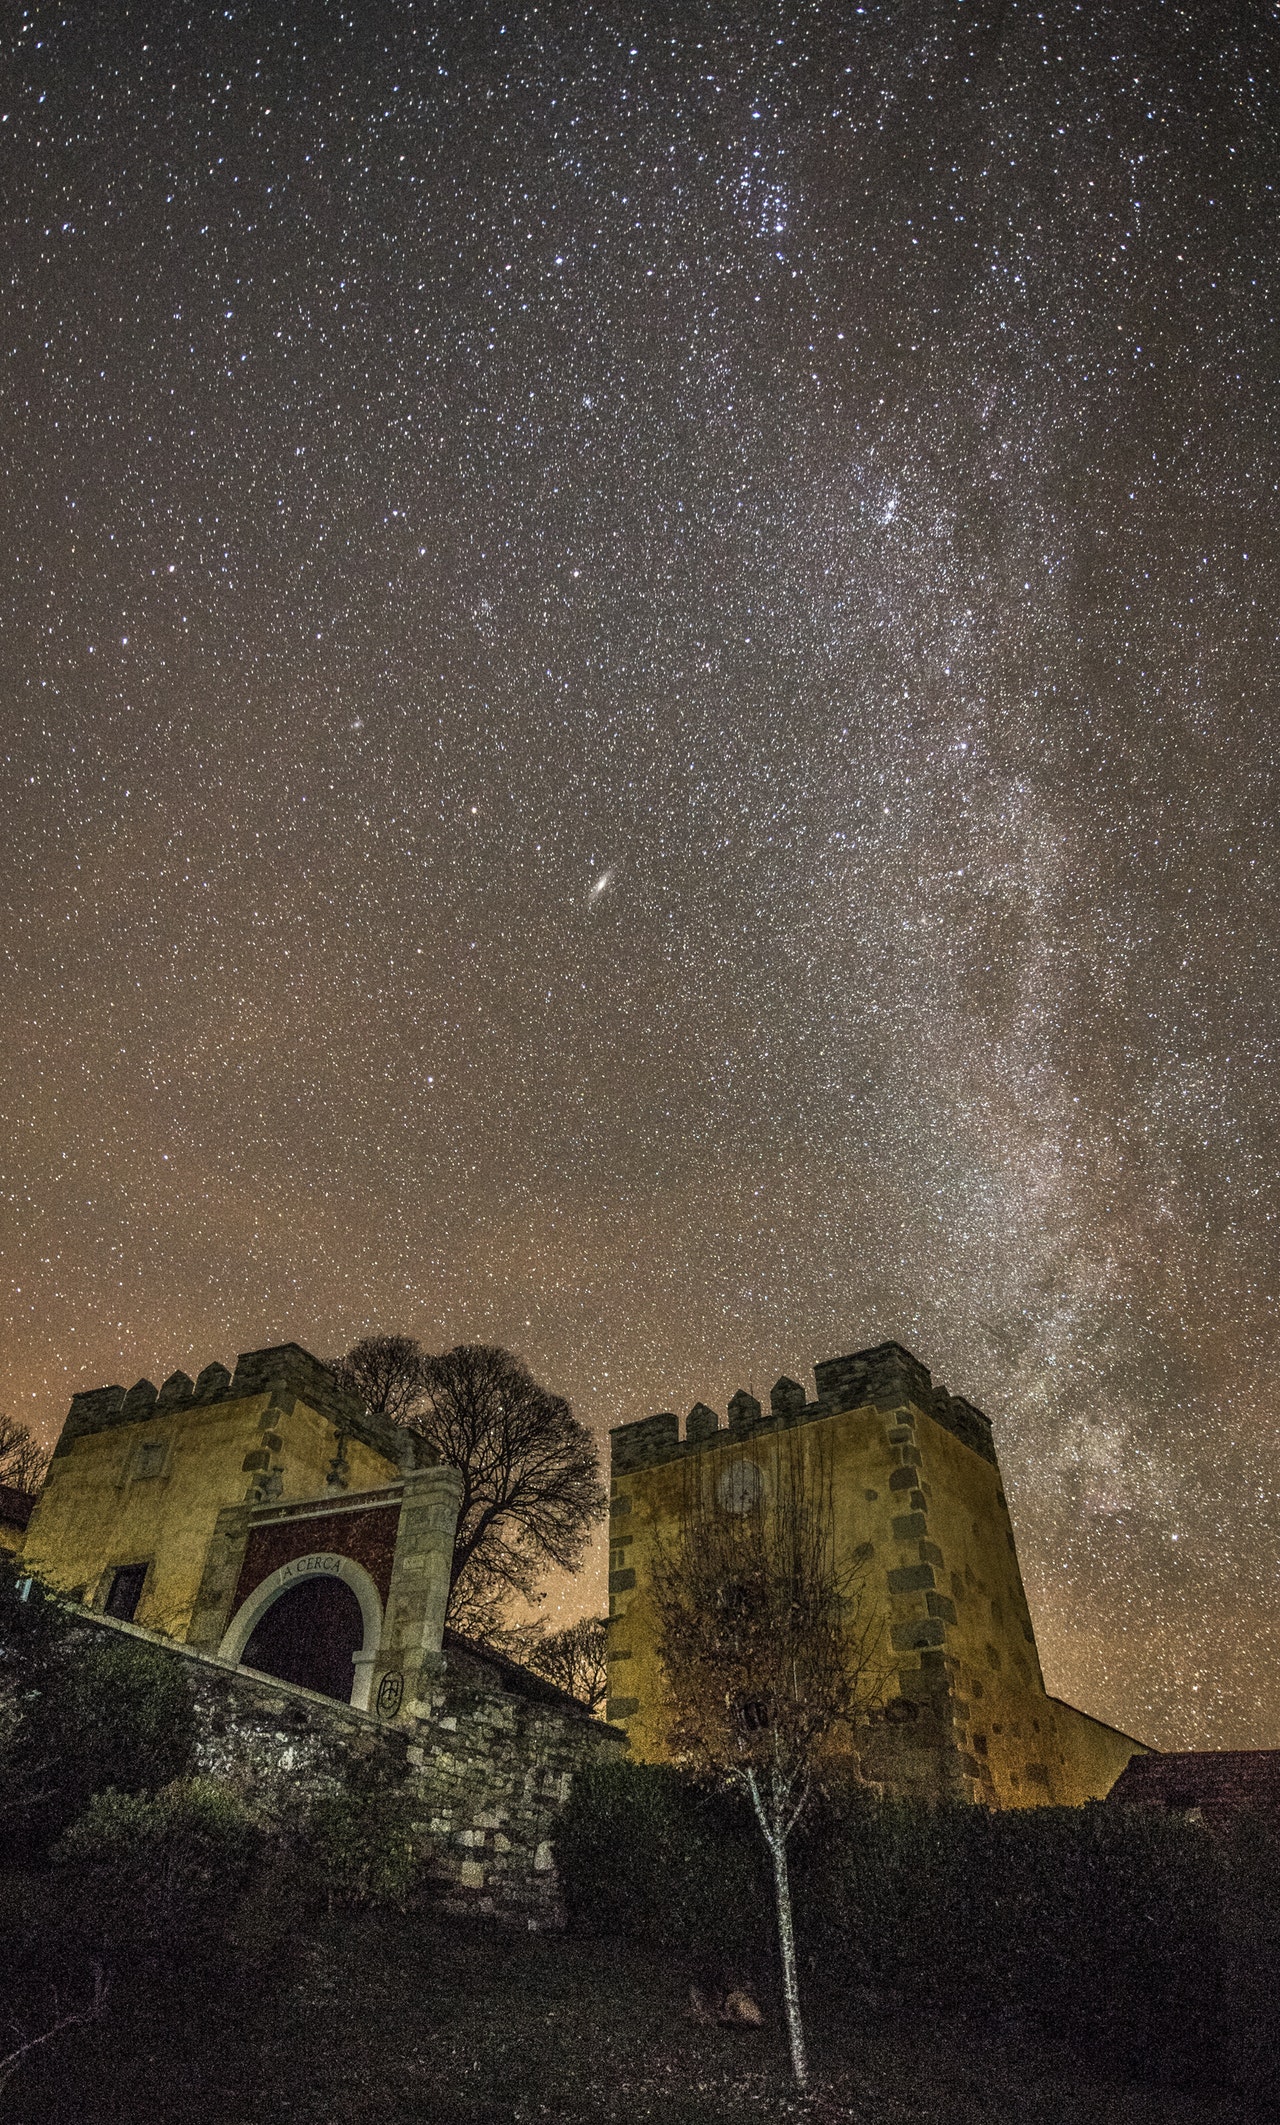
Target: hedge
1144, 1935
79, 1712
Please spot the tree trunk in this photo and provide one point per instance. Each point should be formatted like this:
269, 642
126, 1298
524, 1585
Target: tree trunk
787, 1954
777, 1844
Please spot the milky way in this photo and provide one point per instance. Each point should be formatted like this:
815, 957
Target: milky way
637, 676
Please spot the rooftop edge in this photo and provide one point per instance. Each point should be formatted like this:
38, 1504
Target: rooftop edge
284, 1370
885, 1376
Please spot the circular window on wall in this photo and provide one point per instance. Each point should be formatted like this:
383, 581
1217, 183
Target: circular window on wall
740, 1487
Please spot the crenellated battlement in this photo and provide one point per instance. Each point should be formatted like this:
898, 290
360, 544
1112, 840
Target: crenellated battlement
285, 1371
884, 1377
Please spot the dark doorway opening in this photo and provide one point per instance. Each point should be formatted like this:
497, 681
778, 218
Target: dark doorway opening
126, 1591
308, 1635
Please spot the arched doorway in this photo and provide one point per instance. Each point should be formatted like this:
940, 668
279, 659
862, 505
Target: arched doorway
310, 1634
317, 1621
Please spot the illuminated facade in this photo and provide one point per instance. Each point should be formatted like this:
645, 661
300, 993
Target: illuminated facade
921, 1517
261, 1516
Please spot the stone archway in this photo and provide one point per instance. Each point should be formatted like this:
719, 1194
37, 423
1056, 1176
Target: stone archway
316, 1621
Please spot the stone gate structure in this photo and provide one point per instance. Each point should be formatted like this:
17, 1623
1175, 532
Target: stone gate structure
294, 1550
262, 1516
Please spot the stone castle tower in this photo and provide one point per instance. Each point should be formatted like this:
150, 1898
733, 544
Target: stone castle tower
261, 1516
921, 1508
290, 1551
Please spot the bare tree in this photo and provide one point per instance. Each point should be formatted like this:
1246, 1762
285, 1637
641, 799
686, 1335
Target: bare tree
770, 1648
530, 1470
573, 1657
385, 1373
24, 1463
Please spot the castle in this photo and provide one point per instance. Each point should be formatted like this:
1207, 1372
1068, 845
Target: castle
260, 1516
923, 1520
293, 1552
269, 1526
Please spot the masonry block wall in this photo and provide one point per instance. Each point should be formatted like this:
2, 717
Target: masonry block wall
141, 1477
489, 1767
921, 1513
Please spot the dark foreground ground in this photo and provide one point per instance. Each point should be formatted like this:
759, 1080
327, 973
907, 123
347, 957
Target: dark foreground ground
384, 2019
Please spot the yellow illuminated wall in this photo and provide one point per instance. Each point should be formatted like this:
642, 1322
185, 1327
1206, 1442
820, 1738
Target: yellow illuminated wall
921, 1516
144, 1485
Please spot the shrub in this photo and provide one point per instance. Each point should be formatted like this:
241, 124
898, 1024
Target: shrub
125, 1708
163, 1874
645, 1851
361, 1847
1141, 1934
80, 1711
33, 1622
33, 1631
1104, 1923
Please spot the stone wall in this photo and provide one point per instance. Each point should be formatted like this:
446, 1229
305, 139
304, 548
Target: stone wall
150, 1491
923, 1527
490, 1759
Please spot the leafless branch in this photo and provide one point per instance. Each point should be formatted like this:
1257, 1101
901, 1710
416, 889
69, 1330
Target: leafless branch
573, 1657
385, 1373
530, 1470
24, 1463
77, 2018
770, 1646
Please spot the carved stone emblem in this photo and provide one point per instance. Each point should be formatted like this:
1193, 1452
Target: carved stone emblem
390, 1693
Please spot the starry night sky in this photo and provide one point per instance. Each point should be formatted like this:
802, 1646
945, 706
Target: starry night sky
638, 674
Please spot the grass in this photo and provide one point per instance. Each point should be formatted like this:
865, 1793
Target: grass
383, 2019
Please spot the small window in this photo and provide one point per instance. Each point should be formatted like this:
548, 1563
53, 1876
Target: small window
126, 1591
740, 1487
149, 1460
